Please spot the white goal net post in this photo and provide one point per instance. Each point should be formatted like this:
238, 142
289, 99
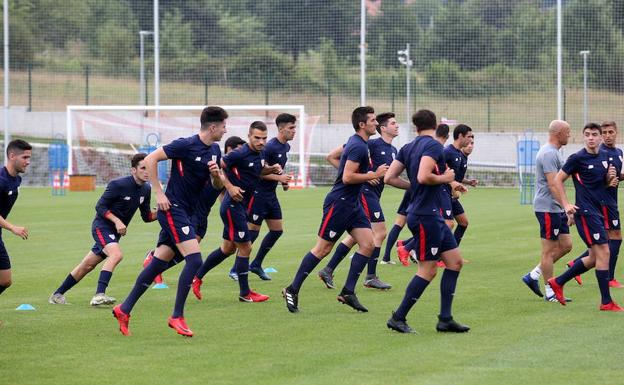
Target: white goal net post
102, 139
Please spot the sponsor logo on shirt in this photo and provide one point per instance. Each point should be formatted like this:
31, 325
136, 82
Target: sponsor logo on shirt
127, 198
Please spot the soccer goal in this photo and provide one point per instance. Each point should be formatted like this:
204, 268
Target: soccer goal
102, 139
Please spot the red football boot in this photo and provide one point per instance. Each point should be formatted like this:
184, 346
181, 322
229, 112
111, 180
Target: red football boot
123, 320
402, 253
253, 297
611, 306
179, 325
196, 286
615, 284
558, 290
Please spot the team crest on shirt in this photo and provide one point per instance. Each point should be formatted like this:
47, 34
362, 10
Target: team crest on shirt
448, 212
376, 214
141, 200
111, 236
596, 236
332, 234
255, 217
127, 198
556, 231
186, 230
241, 234
615, 222
605, 164
434, 250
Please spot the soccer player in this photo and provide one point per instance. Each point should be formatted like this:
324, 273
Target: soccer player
553, 221
194, 161
199, 218
591, 175
114, 211
381, 152
343, 211
458, 161
423, 158
17, 160
264, 205
243, 169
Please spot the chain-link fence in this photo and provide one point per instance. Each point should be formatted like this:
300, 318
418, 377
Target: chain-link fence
488, 63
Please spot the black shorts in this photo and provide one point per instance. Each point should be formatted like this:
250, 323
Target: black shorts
5, 261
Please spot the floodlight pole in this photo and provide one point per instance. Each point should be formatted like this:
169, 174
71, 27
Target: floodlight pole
404, 58
6, 77
363, 52
559, 63
156, 57
142, 35
585, 99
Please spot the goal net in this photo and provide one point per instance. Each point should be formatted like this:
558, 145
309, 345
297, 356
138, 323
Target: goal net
102, 139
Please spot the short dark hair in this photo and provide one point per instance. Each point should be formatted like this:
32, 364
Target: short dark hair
424, 120
258, 125
285, 118
592, 126
462, 129
360, 115
18, 146
382, 120
137, 158
609, 123
442, 131
232, 142
212, 114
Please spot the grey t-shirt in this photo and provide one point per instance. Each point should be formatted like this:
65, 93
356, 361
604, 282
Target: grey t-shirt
548, 160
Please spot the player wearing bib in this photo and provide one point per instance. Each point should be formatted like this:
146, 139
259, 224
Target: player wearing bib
381, 152
114, 211
343, 211
424, 161
194, 161
591, 173
17, 160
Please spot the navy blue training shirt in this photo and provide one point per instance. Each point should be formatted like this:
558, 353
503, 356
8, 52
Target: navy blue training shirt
356, 150
189, 169
457, 161
589, 173
207, 198
122, 197
615, 158
243, 167
9, 186
274, 152
380, 153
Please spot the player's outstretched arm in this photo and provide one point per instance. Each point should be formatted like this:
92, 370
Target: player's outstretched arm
151, 164
334, 156
20, 231
393, 176
427, 176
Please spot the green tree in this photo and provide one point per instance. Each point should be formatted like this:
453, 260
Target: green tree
116, 45
175, 36
58, 22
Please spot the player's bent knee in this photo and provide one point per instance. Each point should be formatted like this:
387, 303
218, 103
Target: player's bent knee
6, 283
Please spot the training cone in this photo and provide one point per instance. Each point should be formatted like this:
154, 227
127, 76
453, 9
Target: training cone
270, 270
160, 286
25, 306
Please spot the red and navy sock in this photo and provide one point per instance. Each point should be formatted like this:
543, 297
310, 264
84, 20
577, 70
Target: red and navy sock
143, 282
103, 280
308, 264
339, 254
447, 292
241, 266
412, 293
212, 260
267, 244
393, 235
372, 261
577, 269
191, 265
614, 251
459, 233
602, 276
67, 284
357, 266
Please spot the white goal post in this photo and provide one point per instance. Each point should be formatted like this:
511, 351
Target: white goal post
117, 129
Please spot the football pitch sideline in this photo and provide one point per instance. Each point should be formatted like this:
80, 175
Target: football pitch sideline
515, 337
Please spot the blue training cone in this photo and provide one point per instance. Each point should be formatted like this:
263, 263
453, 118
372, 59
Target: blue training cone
160, 286
25, 306
270, 270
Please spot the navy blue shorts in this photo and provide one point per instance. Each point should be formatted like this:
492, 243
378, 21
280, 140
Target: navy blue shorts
263, 206
611, 217
591, 229
200, 224
407, 197
457, 207
433, 237
372, 206
103, 234
175, 226
234, 217
446, 208
552, 225
5, 261
340, 216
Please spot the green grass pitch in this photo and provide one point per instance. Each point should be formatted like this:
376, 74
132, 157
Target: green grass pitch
516, 338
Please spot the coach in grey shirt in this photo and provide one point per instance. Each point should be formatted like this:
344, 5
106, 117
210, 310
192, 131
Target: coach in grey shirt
554, 230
